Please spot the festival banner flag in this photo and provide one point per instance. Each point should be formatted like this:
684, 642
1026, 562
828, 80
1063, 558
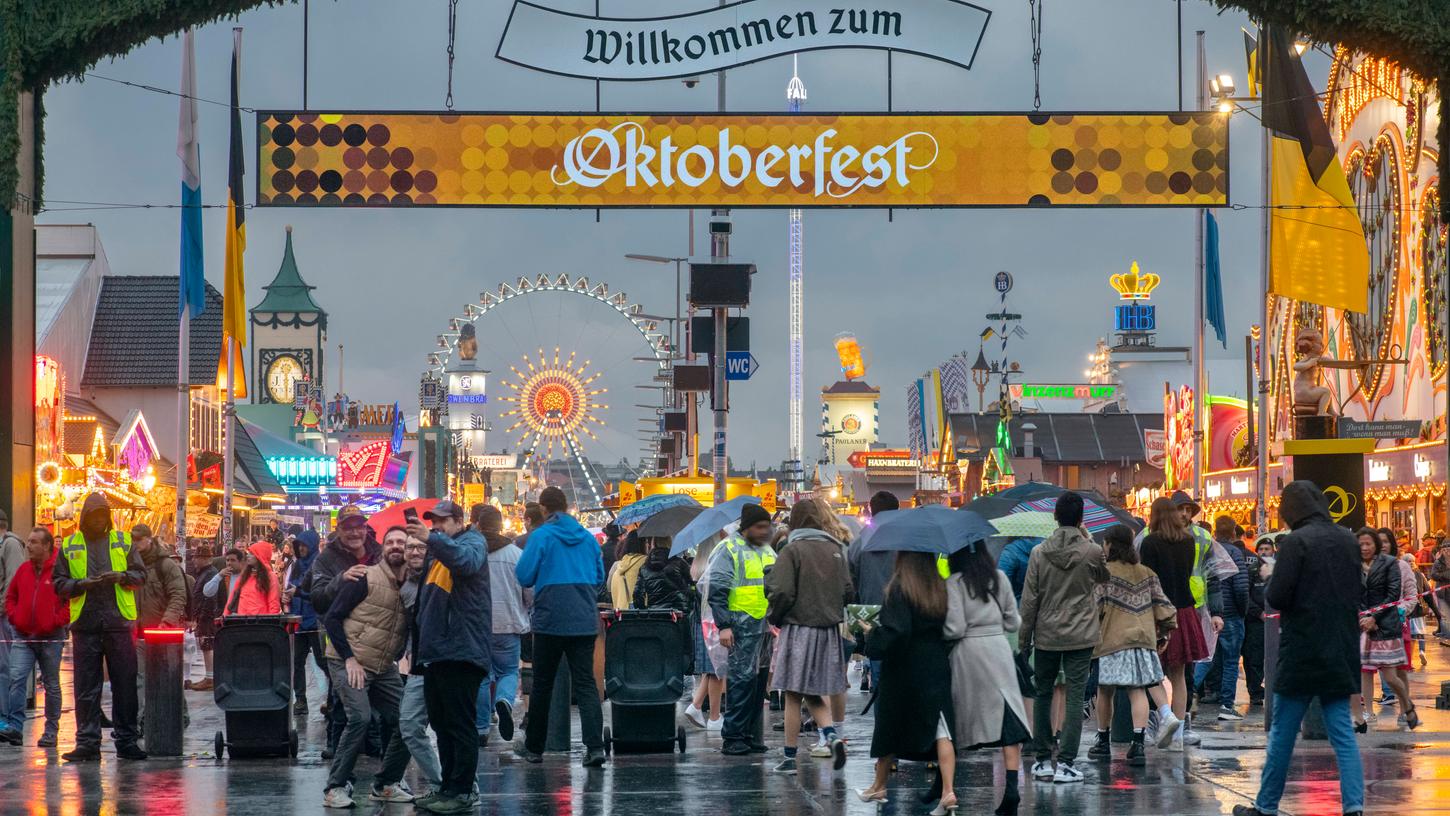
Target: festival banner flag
188, 149
234, 292
1318, 249
1213, 281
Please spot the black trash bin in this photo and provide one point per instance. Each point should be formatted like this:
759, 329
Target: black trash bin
253, 676
645, 656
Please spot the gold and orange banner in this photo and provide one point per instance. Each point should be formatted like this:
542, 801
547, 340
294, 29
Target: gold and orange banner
742, 160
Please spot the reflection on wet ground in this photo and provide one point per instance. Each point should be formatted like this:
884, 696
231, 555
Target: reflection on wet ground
1407, 773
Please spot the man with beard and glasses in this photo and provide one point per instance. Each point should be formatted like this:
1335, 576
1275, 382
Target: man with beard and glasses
366, 629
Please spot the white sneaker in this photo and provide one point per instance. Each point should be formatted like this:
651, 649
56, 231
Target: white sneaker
820, 750
1167, 729
398, 793
337, 798
1066, 774
1042, 769
717, 724
695, 716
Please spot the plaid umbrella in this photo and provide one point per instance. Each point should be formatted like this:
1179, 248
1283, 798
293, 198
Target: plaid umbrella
1095, 517
648, 506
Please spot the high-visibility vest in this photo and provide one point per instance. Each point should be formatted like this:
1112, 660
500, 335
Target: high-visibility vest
1197, 584
747, 585
75, 556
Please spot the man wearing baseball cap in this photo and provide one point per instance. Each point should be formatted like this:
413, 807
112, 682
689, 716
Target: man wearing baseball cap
454, 617
350, 550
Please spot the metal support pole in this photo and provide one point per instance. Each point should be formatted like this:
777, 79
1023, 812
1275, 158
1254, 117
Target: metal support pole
1261, 517
1198, 334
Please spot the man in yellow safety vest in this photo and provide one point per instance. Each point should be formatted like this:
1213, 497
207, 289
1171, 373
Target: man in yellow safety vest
99, 572
737, 600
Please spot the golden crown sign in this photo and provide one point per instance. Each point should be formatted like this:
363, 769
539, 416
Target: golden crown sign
1135, 285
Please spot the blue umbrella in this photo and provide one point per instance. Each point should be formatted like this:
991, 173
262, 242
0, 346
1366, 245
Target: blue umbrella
931, 529
709, 523
648, 506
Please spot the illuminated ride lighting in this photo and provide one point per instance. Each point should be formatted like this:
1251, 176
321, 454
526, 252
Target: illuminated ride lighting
553, 402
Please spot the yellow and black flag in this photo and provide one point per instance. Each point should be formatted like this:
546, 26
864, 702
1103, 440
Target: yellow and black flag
1251, 56
1318, 252
234, 290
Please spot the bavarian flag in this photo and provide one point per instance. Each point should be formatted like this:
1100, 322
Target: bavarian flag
1318, 252
234, 291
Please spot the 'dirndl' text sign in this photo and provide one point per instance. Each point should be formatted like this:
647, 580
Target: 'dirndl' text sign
741, 159
562, 42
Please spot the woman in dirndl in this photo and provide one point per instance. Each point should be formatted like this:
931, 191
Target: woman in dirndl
1382, 644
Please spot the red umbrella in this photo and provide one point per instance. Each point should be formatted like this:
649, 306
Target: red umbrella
392, 515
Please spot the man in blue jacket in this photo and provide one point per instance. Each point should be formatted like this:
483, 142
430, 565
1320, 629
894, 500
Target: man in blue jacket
563, 565
454, 619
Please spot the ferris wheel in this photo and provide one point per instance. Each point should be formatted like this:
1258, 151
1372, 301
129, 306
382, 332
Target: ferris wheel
553, 402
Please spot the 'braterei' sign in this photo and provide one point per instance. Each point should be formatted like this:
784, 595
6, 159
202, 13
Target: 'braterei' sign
614, 48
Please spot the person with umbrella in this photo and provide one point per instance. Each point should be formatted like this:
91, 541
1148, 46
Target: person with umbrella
1060, 622
916, 718
738, 603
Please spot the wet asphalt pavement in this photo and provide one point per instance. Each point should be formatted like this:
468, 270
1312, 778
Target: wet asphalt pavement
1407, 774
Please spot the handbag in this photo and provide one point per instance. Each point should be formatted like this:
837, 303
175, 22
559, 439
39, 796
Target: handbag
1025, 675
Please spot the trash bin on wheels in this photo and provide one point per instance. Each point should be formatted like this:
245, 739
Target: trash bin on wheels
645, 655
253, 676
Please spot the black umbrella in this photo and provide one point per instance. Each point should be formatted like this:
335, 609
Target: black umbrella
669, 521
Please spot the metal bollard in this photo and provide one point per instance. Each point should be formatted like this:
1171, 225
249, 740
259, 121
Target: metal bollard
163, 726
560, 736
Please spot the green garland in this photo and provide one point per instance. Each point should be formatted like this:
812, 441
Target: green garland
42, 41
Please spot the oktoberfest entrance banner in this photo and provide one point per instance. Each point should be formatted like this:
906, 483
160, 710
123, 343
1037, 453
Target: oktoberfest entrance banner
590, 160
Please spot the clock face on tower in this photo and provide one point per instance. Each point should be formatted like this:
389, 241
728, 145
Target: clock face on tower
282, 373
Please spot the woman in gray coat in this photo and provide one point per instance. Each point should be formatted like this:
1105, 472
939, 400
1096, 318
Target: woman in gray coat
986, 696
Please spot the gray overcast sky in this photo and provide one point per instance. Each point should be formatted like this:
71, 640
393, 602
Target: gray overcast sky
914, 290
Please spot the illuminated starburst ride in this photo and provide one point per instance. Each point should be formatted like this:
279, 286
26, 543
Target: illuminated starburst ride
554, 403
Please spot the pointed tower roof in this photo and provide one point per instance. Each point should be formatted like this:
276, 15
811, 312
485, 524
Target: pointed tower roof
288, 292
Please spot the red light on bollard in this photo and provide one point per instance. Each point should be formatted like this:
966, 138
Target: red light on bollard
163, 635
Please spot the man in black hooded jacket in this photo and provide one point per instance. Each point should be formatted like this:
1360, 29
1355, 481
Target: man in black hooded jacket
1316, 589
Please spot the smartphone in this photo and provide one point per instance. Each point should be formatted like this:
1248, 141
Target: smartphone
411, 515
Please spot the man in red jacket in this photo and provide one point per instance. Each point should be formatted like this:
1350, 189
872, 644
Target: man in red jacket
39, 616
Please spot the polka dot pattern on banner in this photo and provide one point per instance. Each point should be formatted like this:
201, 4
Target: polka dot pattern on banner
583, 160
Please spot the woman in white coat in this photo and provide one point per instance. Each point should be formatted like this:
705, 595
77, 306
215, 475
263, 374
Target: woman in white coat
986, 696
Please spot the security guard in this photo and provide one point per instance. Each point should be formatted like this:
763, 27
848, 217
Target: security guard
737, 600
99, 573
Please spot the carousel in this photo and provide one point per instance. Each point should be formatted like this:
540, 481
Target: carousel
1384, 120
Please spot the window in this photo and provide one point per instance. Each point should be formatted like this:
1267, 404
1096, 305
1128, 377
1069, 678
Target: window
206, 419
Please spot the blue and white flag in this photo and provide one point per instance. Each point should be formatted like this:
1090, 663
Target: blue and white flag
188, 149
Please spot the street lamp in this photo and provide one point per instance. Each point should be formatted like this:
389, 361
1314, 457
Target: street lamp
678, 262
981, 375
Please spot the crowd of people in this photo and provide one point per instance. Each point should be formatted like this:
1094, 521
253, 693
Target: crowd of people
427, 626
